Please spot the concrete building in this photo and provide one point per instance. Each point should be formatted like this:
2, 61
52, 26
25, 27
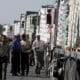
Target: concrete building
68, 23
31, 23
9, 30
46, 23
28, 23
22, 23
16, 27
77, 24
73, 21
63, 23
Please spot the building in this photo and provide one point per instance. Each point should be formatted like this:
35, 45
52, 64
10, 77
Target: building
63, 20
22, 23
77, 24
45, 28
68, 23
28, 24
31, 23
16, 27
9, 30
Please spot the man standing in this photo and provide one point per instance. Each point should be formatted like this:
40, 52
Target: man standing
16, 50
4, 56
26, 49
39, 47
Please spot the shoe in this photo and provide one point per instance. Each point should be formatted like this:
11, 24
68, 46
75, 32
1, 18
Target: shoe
15, 74
26, 74
37, 75
18, 74
22, 74
37, 71
40, 67
31, 65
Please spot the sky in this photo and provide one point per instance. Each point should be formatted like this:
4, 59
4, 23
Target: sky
10, 10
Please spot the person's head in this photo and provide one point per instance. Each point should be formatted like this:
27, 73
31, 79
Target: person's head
27, 36
4, 38
38, 37
0, 37
18, 37
23, 36
14, 36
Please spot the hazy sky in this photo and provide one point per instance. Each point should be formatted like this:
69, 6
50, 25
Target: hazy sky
10, 10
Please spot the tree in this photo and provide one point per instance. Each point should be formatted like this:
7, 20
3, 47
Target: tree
1, 29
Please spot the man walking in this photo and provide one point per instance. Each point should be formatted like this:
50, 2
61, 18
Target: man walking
39, 47
4, 56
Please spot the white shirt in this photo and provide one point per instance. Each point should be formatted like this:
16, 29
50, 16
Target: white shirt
23, 43
40, 44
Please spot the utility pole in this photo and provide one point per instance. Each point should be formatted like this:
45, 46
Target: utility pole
25, 23
56, 22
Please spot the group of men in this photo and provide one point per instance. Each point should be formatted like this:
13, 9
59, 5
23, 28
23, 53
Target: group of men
20, 48
21, 51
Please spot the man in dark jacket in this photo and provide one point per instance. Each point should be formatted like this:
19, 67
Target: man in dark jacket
4, 56
16, 49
